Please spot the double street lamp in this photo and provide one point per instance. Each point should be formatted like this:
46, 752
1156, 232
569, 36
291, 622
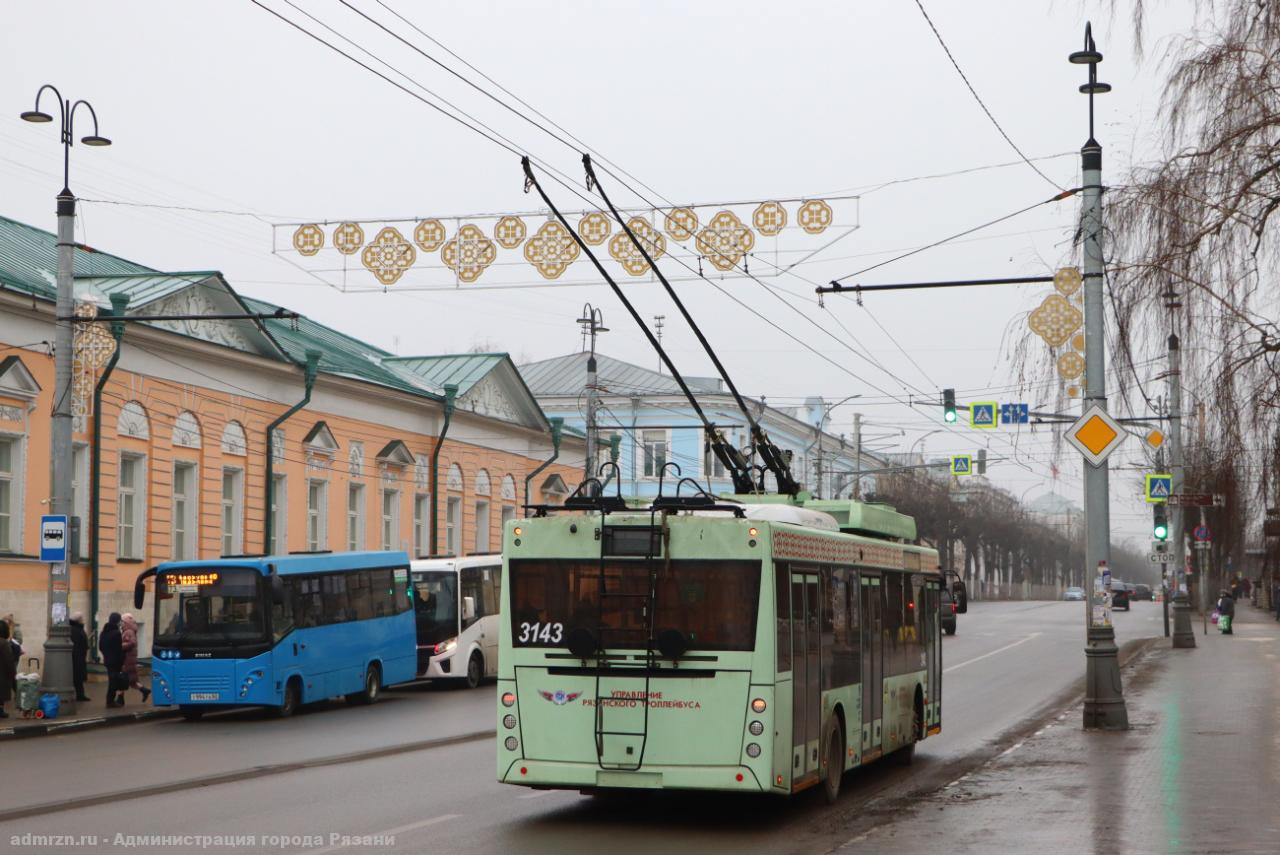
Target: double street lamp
57, 675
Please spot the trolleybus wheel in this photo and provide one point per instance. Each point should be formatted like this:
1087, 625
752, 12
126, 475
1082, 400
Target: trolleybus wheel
835, 763
289, 704
475, 671
372, 687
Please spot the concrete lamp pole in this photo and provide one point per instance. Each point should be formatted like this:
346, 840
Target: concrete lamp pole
1104, 706
592, 323
57, 674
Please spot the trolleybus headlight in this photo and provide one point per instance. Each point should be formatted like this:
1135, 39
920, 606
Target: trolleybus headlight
753, 532
517, 531
753, 750
758, 705
511, 743
509, 722
508, 699
756, 728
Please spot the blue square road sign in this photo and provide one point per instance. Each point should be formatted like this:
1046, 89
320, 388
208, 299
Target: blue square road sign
53, 538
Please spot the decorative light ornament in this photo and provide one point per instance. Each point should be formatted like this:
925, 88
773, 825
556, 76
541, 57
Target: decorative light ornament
509, 232
308, 239
551, 250
1055, 320
628, 254
469, 253
429, 235
814, 216
725, 240
388, 256
594, 228
348, 238
1067, 280
770, 218
681, 223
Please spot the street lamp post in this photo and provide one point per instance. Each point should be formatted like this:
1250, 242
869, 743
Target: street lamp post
57, 675
592, 323
1104, 706
857, 419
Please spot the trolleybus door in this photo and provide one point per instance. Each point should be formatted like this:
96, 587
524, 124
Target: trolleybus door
806, 703
933, 647
872, 665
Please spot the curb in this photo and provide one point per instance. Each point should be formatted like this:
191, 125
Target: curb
55, 727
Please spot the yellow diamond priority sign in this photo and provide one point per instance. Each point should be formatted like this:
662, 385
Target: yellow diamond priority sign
1096, 434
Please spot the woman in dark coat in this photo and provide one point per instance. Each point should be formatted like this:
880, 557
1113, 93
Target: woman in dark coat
8, 668
79, 655
1227, 609
112, 650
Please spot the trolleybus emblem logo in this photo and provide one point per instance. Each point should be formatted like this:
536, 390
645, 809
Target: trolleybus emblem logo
560, 697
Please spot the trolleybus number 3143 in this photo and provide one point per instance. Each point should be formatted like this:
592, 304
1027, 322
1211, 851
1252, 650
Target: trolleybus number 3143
550, 633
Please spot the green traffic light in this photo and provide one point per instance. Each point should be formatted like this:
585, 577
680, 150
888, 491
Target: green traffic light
950, 415
1161, 532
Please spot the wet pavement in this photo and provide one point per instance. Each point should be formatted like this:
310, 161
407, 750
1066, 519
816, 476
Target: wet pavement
1198, 772
86, 714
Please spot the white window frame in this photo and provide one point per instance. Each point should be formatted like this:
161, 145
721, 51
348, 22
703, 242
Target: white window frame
80, 496
648, 437
452, 524
279, 514
421, 523
317, 517
185, 521
13, 528
482, 533
136, 495
390, 519
232, 543
508, 513
355, 517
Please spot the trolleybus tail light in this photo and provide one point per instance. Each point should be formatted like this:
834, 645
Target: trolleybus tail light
753, 750
758, 705
524, 770
738, 777
508, 699
512, 744
509, 721
756, 728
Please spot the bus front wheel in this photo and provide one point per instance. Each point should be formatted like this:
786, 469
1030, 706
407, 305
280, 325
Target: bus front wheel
291, 700
372, 687
835, 762
475, 671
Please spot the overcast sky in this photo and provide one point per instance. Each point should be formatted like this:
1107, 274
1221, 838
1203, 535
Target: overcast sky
223, 106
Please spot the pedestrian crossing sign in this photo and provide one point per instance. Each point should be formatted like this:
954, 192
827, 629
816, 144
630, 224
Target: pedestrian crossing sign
961, 464
1159, 488
983, 414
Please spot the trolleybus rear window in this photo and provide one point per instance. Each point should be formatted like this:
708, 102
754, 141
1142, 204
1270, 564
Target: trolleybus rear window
712, 603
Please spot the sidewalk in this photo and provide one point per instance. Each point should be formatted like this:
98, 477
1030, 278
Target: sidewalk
88, 714
1198, 771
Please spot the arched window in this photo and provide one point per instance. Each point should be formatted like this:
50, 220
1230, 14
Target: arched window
455, 477
233, 439
508, 488
186, 430
482, 482
133, 421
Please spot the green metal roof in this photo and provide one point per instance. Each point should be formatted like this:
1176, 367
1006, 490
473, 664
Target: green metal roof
464, 370
29, 260
142, 288
340, 354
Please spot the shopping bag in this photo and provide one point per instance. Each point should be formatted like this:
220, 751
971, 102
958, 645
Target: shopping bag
1214, 617
1224, 623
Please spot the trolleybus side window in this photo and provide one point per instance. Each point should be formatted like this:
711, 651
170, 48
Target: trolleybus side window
846, 643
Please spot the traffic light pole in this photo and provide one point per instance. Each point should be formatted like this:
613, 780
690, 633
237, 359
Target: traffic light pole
1183, 635
1104, 706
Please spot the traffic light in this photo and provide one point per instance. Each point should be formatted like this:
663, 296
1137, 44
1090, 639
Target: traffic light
1160, 522
982, 461
949, 405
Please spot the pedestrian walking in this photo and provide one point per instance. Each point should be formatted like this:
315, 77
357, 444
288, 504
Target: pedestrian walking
129, 644
8, 668
79, 655
1226, 613
15, 628
111, 646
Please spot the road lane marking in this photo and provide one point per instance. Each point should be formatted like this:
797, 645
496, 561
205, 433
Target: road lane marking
537, 794
390, 832
960, 665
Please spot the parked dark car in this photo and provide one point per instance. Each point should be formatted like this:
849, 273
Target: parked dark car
1120, 593
1142, 592
948, 608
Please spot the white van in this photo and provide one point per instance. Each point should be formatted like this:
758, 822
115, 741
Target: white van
456, 603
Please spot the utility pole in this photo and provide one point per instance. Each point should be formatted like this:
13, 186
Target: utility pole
57, 674
592, 323
657, 331
1104, 706
857, 456
1183, 635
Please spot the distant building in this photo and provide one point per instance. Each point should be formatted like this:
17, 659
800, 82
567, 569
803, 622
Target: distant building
657, 425
1059, 513
182, 434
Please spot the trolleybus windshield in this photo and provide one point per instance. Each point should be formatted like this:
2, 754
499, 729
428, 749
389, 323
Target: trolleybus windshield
712, 603
219, 605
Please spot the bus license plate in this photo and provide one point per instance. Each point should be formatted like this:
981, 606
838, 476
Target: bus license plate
204, 696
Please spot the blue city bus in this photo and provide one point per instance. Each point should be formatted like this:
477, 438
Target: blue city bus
280, 631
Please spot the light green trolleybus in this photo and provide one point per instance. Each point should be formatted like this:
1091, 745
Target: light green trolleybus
752, 644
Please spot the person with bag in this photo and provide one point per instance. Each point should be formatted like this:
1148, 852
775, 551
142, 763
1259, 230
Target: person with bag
1226, 612
129, 670
111, 646
8, 668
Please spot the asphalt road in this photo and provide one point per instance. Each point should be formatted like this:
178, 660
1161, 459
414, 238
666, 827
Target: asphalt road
419, 767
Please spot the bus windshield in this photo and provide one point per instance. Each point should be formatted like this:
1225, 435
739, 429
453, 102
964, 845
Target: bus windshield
436, 606
712, 603
218, 605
